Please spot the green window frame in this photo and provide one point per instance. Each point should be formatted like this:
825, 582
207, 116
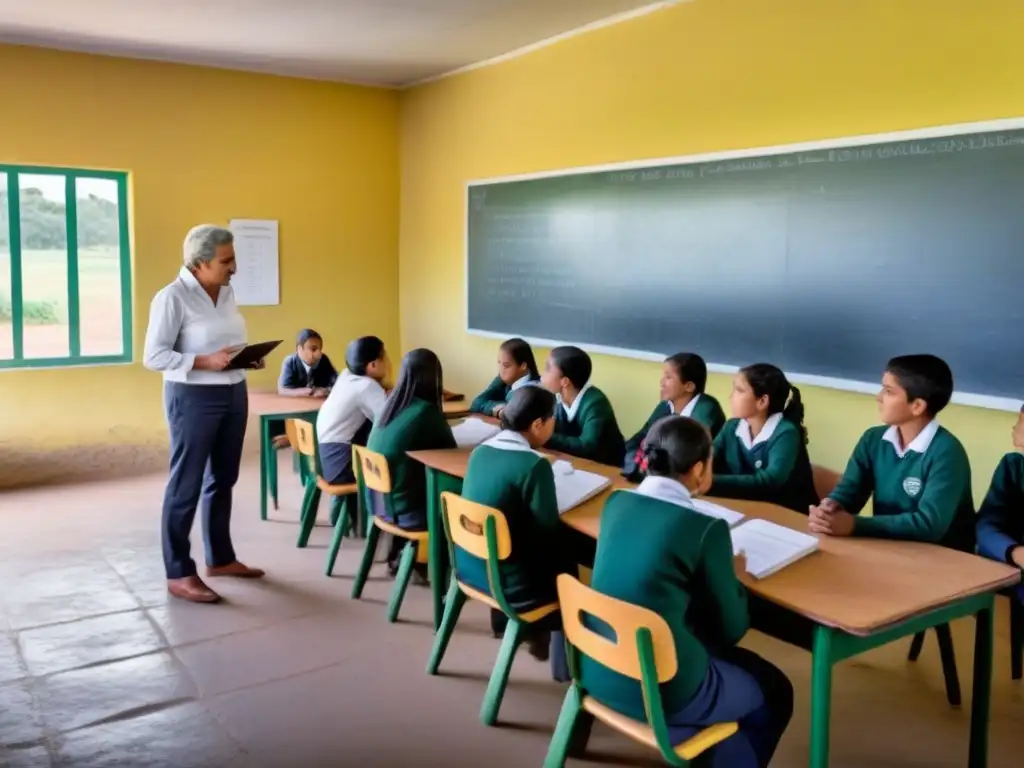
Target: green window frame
74, 356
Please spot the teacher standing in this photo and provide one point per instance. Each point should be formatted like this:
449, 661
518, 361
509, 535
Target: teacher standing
194, 325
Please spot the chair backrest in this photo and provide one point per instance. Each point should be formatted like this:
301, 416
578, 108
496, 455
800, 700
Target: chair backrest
628, 622
467, 526
825, 480
302, 436
373, 469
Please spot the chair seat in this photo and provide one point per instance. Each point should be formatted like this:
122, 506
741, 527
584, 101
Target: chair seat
688, 750
529, 617
336, 490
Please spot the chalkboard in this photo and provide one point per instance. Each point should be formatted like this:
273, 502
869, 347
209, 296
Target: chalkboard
825, 260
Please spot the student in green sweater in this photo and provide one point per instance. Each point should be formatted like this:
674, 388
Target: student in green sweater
683, 379
1001, 517
679, 563
508, 473
412, 420
761, 453
917, 471
516, 368
585, 424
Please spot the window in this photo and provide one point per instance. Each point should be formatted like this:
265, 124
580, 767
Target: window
65, 268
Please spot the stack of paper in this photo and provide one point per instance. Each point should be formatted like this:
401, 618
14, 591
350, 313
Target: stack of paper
769, 547
473, 432
731, 516
576, 486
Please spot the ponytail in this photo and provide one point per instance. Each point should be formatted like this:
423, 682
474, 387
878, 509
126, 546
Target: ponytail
794, 412
674, 445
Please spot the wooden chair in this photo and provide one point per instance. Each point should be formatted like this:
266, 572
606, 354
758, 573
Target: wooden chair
644, 650
825, 480
482, 532
373, 475
302, 436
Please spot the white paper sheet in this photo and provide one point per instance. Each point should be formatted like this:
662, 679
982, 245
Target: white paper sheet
769, 547
257, 281
576, 487
731, 516
472, 432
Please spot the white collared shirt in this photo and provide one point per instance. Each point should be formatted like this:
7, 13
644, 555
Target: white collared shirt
666, 489
184, 322
770, 425
507, 440
687, 410
570, 410
918, 445
352, 401
522, 382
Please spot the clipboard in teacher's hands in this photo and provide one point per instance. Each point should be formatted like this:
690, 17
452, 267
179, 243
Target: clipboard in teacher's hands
251, 354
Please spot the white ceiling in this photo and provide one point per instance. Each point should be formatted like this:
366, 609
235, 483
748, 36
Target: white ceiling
379, 42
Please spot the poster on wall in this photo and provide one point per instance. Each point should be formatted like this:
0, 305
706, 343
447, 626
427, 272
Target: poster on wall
257, 281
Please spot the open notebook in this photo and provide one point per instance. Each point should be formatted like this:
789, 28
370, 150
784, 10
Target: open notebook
769, 547
574, 486
473, 432
731, 516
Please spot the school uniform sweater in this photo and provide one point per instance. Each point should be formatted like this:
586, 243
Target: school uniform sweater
420, 427
588, 429
499, 393
1001, 517
295, 374
662, 555
772, 467
922, 493
504, 473
703, 408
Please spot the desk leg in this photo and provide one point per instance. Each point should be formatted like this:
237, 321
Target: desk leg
981, 697
265, 449
821, 696
272, 465
437, 566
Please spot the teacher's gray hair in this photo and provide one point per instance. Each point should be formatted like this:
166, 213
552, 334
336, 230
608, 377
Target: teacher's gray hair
201, 243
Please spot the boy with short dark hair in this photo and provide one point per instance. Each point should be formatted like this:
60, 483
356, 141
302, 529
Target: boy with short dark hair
308, 372
918, 471
1001, 517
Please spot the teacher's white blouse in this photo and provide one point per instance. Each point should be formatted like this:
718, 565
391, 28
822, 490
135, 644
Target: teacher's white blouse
184, 322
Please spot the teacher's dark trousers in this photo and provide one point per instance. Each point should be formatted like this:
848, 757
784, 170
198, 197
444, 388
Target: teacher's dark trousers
207, 426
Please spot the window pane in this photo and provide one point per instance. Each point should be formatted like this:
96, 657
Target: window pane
99, 267
44, 265
6, 333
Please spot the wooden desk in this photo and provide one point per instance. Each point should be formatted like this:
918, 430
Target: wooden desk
860, 593
270, 407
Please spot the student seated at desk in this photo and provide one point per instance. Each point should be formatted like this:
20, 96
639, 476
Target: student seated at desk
355, 403
761, 454
412, 420
516, 368
917, 471
1001, 517
508, 474
683, 379
679, 564
308, 372
585, 423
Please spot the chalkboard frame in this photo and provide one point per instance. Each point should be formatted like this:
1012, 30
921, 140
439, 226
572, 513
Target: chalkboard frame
974, 399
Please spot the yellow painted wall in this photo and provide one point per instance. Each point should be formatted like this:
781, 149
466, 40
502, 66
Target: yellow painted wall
203, 145
698, 77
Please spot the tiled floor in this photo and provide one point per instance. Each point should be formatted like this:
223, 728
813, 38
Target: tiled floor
99, 668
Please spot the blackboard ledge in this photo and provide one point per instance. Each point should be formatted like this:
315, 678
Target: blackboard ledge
970, 399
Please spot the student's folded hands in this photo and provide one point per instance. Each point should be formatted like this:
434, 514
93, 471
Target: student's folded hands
830, 519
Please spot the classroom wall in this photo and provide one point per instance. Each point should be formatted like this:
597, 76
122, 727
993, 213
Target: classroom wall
698, 77
201, 145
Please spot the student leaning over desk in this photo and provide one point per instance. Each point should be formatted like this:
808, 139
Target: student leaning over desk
517, 368
585, 424
917, 471
679, 563
761, 454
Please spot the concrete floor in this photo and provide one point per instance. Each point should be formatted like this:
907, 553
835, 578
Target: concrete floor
99, 668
